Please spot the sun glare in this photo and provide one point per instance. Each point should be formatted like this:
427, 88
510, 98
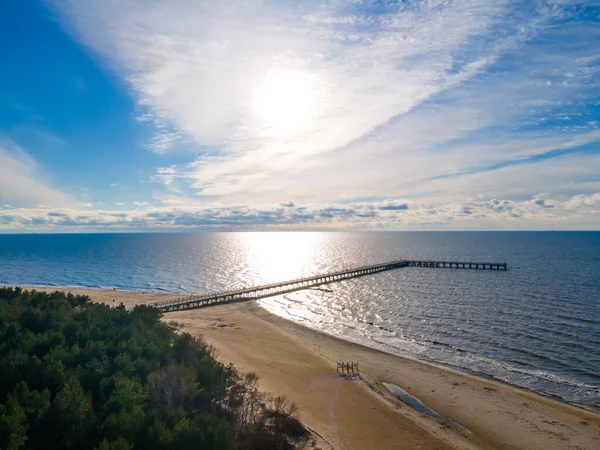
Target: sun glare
284, 102
281, 256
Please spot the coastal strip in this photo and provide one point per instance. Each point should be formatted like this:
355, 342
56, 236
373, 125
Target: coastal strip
300, 363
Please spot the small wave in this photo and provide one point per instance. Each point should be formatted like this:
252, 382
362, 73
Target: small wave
541, 374
579, 319
443, 344
293, 300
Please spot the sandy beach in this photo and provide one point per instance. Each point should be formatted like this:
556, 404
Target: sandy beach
361, 413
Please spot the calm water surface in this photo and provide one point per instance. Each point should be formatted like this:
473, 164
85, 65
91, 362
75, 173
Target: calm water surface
536, 325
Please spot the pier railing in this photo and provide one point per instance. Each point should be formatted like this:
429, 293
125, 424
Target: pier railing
457, 265
284, 287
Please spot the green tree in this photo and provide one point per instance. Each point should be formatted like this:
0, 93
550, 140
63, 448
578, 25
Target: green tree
75, 374
13, 425
72, 415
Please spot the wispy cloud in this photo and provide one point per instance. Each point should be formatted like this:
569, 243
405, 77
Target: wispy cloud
432, 101
23, 183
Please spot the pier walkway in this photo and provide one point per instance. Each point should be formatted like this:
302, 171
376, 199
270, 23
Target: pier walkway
284, 287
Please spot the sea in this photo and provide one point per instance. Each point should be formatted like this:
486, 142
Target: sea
535, 325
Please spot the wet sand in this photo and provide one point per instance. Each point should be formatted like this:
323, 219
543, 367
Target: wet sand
300, 363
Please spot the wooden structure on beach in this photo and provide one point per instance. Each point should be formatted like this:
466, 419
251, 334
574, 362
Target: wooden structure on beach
348, 369
284, 287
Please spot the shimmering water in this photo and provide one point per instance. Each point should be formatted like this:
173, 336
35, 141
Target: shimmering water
536, 325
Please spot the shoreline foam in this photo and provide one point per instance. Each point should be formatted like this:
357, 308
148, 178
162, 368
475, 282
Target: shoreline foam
400, 352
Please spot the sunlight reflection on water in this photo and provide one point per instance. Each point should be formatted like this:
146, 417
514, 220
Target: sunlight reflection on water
276, 257
536, 325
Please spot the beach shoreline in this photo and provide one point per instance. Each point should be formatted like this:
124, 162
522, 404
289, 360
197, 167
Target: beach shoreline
441, 365
158, 295
298, 361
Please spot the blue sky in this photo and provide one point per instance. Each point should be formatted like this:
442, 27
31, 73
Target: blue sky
134, 115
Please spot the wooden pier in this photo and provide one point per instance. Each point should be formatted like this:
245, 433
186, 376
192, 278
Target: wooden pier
284, 287
457, 265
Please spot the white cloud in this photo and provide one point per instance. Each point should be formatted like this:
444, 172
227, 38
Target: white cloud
507, 168
195, 66
567, 175
582, 211
22, 181
440, 102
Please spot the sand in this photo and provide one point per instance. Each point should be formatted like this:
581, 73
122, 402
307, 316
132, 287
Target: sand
300, 363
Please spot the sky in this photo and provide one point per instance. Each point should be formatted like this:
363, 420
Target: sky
132, 115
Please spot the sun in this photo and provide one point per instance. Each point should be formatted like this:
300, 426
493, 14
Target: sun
284, 102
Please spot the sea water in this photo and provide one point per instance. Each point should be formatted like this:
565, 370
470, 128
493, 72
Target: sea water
536, 325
